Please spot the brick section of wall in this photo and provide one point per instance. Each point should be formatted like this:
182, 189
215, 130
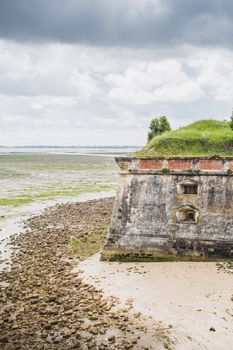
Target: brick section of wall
174, 164
210, 164
179, 164
153, 164
230, 164
124, 165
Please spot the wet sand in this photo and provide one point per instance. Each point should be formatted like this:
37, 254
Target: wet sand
194, 297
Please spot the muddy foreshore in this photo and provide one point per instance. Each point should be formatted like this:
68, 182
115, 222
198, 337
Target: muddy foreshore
43, 305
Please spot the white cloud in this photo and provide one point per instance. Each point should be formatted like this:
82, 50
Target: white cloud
215, 73
85, 86
14, 64
52, 102
75, 94
32, 71
157, 81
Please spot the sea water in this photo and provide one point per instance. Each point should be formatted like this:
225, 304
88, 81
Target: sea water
33, 178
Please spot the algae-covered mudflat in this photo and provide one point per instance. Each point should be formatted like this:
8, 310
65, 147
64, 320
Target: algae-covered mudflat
27, 178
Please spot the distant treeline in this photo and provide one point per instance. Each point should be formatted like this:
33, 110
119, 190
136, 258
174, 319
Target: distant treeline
125, 146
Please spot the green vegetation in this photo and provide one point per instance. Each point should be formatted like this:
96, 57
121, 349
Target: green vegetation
166, 171
90, 241
135, 257
231, 121
204, 138
158, 127
50, 195
73, 244
194, 171
14, 202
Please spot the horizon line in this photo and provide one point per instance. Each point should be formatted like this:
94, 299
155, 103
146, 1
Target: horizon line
71, 146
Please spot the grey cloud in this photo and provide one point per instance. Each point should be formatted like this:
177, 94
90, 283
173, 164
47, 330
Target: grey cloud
135, 23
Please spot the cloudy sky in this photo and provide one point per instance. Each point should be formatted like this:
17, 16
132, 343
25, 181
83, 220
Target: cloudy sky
85, 72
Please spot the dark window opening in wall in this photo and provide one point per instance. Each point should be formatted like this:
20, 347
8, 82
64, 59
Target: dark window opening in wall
190, 216
190, 189
187, 215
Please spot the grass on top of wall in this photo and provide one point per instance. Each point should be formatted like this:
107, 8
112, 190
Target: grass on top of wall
203, 138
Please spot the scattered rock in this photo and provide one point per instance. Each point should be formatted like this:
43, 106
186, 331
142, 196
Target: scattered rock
212, 329
46, 307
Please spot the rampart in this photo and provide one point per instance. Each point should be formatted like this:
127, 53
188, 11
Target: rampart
172, 208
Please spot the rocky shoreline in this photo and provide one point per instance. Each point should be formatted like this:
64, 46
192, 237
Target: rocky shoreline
44, 305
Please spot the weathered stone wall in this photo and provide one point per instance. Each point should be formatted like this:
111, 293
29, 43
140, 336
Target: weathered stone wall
146, 219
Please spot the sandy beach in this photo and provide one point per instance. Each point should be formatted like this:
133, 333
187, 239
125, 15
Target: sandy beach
195, 298
58, 295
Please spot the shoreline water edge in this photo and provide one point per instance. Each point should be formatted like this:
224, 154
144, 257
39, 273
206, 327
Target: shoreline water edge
15, 225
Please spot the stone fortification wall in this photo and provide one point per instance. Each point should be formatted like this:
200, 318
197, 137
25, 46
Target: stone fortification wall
154, 216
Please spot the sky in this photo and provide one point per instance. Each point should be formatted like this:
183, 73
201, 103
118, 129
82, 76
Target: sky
95, 72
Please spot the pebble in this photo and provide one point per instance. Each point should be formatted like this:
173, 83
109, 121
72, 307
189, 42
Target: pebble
46, 307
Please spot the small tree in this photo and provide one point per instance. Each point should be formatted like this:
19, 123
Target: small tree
164, 124
158, 127
154, 129
231, 121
